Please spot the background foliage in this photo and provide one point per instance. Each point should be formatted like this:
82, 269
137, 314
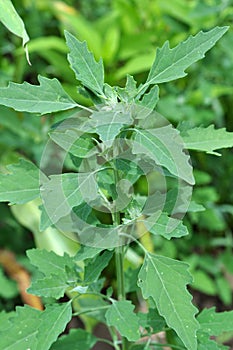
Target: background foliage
135, 29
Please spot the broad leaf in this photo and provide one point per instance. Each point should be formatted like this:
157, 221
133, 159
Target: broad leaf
86, 252
10, 18
63, 192
165, 147
48, 97
34, 329
87, 70
150, 100
53, 287
76, 339
215, 323
207, 139
205, 343
164, 280
50, 263
22, 183
60, 272
153, 320
109, 123
53, 322
96, 266
170, 64
121, 316
166, 226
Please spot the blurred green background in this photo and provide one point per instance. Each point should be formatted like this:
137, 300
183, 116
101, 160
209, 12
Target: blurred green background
126, 34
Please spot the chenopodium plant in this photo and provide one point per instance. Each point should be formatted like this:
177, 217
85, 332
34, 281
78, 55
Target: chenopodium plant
130, 178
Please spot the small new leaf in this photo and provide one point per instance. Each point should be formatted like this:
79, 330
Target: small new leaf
48, 97
120, 315
87, 70
164, 280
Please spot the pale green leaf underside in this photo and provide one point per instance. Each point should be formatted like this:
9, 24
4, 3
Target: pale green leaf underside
164, 280
120, 315
10, 18
87, 70
170, 64
21, 185
47, 97
207, 139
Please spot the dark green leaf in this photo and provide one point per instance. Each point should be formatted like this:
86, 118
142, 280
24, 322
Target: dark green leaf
76, 339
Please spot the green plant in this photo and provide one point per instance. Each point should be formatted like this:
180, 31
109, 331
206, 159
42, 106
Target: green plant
103, 153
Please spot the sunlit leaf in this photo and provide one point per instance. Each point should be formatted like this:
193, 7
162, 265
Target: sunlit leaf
164, 280
120, 315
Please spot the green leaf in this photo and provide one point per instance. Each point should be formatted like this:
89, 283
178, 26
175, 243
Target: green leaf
76, 339
10, 18
96, 266
50, 263
48, 97
109, 123
215, 323
59, 271
8, 287
54, 287
34, 329
153, 320
164, 280
150, 100
66, 191
121, 316
86, 252
22, 183
205, 343
53, 322
207, 139
166, 148
87, 70
170, 64
166, 226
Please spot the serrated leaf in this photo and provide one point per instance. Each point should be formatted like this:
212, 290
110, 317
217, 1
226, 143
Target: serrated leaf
166, 148
53, 287
53, 322
109, 123
150, 100
95, 267
34, 329
170, 64
166, 226
10, 18
215, 323
76, 339
121, 316
47, 97
87, 70
207, 139
49, 263
164, 280
22, 183
63, 192
153, 320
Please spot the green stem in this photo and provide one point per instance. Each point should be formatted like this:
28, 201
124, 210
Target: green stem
119, 261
